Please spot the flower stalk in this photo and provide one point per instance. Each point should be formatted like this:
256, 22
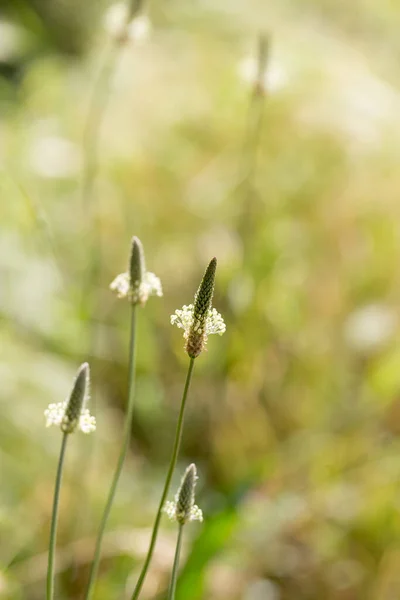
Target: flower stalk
197, 321
171, 468
175, 567
54, 520
121, 459
132, 285
70, 415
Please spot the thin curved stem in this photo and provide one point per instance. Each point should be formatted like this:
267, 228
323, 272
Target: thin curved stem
54, 519
174, 576
171, 468
97, 107
121, 459
91, 138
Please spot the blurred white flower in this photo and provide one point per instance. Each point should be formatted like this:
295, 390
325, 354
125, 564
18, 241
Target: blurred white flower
272, 79
54, 157
11, 41
139, 29
370, 327
195, 513
117, 26
149, 286
115, 19
55, 415
183, 509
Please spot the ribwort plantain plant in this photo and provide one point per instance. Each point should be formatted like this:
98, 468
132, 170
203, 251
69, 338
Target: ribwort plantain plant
126, 23
136, 285
182, 510
198, 320
70, 415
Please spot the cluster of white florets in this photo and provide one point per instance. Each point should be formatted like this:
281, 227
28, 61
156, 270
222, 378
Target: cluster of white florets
195, 513
140, 292
55, 415
184, 319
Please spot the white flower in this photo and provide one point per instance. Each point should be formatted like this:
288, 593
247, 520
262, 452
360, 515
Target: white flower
55, 415
184, 319
272, 79
195, 514
117, 25
115, 19
149, 286
139, 29
370, 327
121, 285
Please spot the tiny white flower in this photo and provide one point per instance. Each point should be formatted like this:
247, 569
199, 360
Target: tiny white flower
196, 514
370, 327
115, 19
139, 29
184, 319
117, 25
272, 79
55, 415
121, 285
149, 286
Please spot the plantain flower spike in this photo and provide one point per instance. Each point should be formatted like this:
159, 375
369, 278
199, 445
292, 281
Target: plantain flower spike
199, 320
72, 414
183, 509
137, 284
127, 23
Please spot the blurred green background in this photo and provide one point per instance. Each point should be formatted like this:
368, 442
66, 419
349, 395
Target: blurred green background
294, 414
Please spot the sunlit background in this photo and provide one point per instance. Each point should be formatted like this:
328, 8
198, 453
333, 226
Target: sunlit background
266, 133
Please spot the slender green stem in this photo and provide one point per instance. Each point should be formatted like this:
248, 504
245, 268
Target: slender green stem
121, 459
97, 107
171, 468
91, 138
174, 576
251, 146
54, 518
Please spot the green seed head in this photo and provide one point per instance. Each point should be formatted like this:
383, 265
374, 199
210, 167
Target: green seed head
76, 399
185, 496
137, 265
201, 309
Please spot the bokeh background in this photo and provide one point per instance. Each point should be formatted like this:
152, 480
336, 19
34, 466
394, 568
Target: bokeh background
289, 173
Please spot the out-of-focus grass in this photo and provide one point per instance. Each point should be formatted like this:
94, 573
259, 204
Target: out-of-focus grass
294, 414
